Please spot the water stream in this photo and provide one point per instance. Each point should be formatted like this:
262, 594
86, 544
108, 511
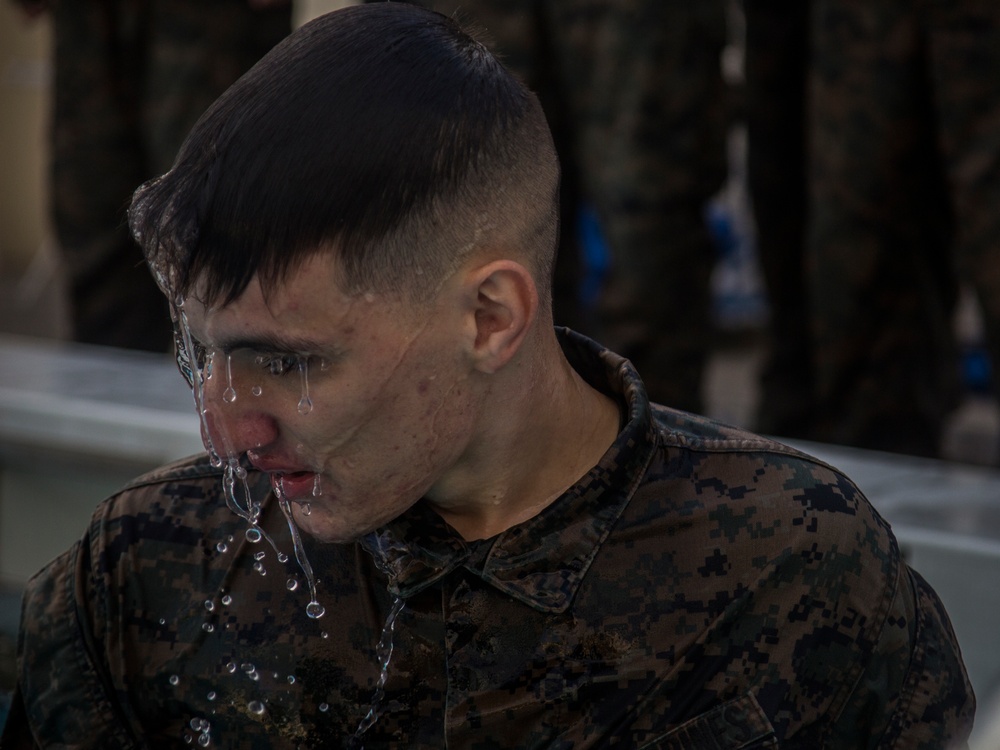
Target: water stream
196, 364
384, 655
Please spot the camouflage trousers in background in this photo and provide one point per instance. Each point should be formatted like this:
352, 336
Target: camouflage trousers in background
131, 78
901, 145
633, 92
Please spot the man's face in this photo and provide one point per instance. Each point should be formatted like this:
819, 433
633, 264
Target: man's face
392, 405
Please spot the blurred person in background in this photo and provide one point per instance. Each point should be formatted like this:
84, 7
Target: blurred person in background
634, 94
131, 78
775, 83
873, 191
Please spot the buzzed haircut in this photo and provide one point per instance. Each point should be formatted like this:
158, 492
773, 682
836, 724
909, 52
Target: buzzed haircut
382, 132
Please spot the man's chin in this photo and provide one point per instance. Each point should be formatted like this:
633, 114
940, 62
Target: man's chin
323, 529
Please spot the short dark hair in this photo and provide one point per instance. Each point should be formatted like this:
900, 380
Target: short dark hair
383, 132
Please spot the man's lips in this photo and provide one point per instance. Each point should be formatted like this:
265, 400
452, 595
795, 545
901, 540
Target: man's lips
297, 485
293, 483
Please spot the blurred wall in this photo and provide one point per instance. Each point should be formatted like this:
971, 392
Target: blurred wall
24, 81
307, 9
31, 301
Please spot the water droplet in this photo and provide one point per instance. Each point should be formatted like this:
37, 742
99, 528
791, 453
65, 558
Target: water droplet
259, 555
291, 584
291, 679
305, 403
259, 567
307, 509
209, 605
163, 621
317, 490
187, 739
241, 472
208, 627
324, 634
222, 547
227, 600
324, 707
204, 739
229, 395
211, 696
253, 535
256, 390
315, 610
256, 707
282, 557
174, 680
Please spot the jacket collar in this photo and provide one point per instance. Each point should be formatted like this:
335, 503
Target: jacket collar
541, 561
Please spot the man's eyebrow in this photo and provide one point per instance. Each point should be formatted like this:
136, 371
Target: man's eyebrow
268, 342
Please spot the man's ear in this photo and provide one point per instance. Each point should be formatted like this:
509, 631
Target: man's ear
504, 303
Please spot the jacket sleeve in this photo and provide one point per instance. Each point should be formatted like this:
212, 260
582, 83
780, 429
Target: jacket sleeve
66, 696
914, 693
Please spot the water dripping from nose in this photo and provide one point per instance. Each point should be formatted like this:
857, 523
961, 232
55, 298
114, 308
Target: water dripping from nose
236, 489
314, 609
249, 510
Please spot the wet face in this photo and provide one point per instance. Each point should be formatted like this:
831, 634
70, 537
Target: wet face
357, 405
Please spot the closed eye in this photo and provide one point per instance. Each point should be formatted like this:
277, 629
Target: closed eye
279, 364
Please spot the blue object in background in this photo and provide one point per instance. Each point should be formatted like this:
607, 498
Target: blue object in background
977, 370
739, 300
595, 256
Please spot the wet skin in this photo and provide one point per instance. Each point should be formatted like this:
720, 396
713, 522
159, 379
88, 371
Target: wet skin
394, 389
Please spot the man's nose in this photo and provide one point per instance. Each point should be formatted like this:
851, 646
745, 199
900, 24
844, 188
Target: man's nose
234, 420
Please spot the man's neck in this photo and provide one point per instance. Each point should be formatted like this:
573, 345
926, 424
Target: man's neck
549, 429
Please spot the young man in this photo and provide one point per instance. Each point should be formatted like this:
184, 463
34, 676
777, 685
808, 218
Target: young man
507, 545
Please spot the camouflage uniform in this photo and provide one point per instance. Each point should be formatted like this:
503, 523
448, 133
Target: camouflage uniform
635, 99
700, 587
131, 78
902, 146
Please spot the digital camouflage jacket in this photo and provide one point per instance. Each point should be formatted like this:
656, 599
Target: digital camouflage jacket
701, 587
